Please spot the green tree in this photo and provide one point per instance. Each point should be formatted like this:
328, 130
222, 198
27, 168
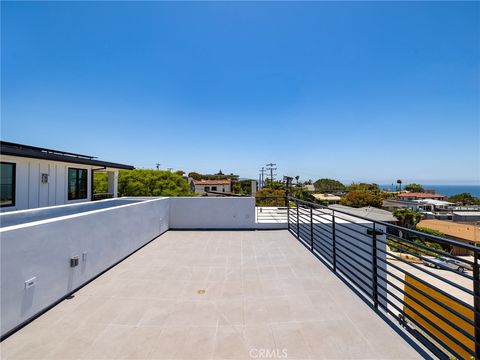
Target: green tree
399, 182
407, 217
362, 198
270, 197
328, 185
299, 193
242, 187
143, 182
100, 182
363, 187
414, 187
275, 185
464, 199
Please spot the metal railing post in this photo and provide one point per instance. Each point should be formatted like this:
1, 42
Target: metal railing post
288, 213
374, 268
476, 302
311, 228
298, 224
334, 246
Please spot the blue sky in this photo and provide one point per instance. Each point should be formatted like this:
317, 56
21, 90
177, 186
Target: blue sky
364, 91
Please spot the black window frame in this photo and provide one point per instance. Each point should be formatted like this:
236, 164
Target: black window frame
14, 183
214, 188
77, 184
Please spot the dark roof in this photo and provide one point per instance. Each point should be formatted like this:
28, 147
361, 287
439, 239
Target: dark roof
27, 151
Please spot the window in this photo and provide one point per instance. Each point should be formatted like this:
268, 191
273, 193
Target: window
207, 188
7, 184
77, 184
214, 188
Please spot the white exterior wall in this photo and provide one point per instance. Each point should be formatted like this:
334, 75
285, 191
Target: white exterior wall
43, 250
212, 213
31, 193
200, 189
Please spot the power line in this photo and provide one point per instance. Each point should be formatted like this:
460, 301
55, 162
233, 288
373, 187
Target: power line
270, 167
261, 177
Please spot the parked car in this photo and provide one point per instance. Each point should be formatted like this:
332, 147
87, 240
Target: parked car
446, 263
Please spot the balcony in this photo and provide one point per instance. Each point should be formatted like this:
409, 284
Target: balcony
211, 288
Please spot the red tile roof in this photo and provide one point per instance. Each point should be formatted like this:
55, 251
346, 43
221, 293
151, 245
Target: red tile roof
211, 182
421, 195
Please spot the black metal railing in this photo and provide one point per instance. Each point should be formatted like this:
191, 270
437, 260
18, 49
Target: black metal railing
402, 272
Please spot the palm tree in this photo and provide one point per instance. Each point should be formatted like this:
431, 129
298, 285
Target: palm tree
399, 182
407, 218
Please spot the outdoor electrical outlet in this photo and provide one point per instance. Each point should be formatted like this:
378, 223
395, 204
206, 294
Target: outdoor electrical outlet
30, 282
74, 261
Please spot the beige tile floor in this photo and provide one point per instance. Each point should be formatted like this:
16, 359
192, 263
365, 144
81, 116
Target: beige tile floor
265, 296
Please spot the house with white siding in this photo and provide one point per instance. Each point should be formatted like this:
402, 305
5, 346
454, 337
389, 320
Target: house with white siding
33, 177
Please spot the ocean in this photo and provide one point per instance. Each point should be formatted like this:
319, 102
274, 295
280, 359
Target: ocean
447, 190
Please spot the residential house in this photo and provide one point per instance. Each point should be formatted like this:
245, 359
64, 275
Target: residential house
211, 187
419, 196
33, 177
468, 233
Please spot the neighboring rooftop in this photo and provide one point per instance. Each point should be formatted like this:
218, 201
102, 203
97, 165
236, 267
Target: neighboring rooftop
420, 195
28, 151
468, 232
434, 202
211, 182
367, 212
327, 197
212, 295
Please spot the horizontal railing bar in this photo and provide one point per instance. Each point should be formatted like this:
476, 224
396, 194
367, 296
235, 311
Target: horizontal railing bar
347, 274
429, 261
437, 251
420, 337
364, 242
321, 233
367, 260
450, 337
429, 309
425, 271
353, 244
427, 284
323, 227
367, 268
322, 244
436, 339
355, 231
353, 222
437, 238
429, 297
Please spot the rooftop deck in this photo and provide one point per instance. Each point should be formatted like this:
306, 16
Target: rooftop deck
212, 295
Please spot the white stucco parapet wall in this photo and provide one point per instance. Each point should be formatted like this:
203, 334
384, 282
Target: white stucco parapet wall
212, 213
41, 250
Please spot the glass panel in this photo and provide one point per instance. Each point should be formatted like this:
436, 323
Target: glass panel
72, 184
7, 184
77, 184
82, 183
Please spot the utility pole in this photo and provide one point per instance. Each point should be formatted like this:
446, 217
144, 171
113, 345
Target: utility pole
158, 166
270, 167
261, 177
